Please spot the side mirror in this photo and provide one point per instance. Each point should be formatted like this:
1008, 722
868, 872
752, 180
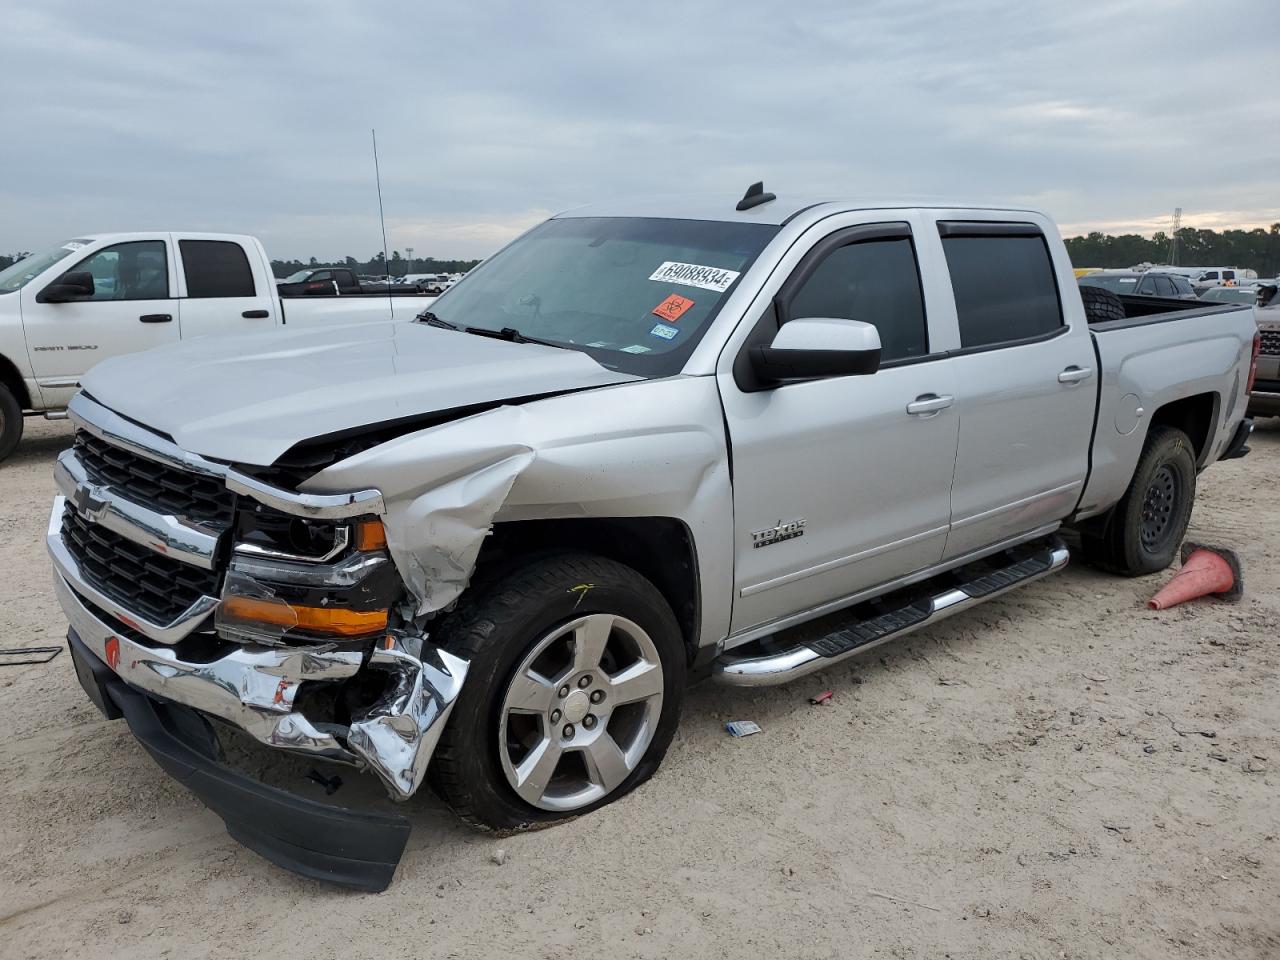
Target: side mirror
812, 348
76, 285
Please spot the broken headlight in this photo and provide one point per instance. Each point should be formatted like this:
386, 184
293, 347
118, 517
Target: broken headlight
300, 580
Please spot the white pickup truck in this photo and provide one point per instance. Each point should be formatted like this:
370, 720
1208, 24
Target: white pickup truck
643, 443
67, 308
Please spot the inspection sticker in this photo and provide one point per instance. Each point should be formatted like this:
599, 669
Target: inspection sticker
663, 331
672, 308
694, 275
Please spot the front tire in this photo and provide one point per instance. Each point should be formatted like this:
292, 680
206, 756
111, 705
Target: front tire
11, 422
572, 697
1147, 526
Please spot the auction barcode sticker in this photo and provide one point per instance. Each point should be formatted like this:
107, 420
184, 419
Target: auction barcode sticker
694, 275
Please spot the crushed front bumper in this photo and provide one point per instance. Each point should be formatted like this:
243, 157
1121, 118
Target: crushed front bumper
254, 688
313, 839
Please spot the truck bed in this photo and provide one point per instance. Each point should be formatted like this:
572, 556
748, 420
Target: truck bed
1164, 351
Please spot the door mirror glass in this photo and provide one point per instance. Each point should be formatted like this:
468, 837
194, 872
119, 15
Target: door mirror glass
812, 348
76, 285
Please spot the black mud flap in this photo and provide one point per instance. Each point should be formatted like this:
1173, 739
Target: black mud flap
1238, 447
317, 840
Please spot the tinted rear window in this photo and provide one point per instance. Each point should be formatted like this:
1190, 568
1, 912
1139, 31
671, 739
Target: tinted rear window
1004, 288
216, 268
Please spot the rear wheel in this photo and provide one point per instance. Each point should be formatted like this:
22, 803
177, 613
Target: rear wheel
11, 422
1147, 526
572, 697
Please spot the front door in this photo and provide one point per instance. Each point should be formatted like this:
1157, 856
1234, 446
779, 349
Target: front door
132, 309
844, 483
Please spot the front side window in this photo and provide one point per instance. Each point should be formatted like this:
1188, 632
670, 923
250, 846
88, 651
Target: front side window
18, 275
216, 268
875, 281
634, 293
1004, 288
138, 270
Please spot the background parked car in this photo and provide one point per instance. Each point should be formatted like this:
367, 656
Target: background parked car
1230, 294
1149, 284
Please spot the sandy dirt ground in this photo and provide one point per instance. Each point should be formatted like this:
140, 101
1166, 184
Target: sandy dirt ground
1023, 780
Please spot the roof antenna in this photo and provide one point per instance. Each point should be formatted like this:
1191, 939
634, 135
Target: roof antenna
386, 264
755, 196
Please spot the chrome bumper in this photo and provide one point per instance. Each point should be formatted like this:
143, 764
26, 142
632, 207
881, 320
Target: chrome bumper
253, 688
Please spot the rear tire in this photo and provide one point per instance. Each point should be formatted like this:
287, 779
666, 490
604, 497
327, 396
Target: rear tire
599, 744
1146, 527
11, 422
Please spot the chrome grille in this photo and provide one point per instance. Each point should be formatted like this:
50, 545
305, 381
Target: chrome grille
1270, 343
162, 488
155, 586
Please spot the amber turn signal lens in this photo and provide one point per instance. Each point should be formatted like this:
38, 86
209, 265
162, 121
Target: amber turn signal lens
331, 620
370, 535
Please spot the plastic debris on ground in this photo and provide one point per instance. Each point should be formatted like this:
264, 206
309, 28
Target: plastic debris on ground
742, 728
20, 655
823, 698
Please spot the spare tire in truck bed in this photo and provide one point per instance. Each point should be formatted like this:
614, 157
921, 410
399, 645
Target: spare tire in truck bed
1101, 305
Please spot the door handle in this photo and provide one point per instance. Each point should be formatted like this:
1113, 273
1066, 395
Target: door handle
928, 404
156, 317
1074, 374
255, 314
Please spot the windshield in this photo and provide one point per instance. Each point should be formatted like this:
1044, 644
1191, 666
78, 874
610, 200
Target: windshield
18, 275
1114, 284
634, 293
296, 277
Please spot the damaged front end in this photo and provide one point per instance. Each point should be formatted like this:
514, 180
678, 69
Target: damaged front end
197, 587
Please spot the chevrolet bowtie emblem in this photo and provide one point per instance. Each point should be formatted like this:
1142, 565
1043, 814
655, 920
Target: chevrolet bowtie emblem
88, 505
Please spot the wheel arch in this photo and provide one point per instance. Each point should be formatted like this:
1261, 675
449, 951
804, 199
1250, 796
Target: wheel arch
11, 378
661, 549
1195, 416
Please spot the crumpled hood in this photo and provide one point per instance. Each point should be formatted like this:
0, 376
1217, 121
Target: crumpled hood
248, 399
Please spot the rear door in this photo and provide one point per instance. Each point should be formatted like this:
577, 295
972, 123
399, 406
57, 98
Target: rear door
221, 291
1027, 386
133, 308
838, 485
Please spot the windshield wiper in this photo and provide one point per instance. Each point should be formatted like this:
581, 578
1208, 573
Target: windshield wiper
512, 335
431, 320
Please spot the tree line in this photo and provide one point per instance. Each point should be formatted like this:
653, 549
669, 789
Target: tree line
377, 265
1255, 249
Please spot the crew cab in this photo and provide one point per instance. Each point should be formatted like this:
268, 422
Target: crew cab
644, 443
100, 296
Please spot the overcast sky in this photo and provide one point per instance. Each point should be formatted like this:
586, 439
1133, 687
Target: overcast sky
255, 117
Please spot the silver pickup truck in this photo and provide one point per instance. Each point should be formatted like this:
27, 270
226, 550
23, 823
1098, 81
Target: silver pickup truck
641, 445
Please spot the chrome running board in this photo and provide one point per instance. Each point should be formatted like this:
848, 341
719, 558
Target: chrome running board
926, 603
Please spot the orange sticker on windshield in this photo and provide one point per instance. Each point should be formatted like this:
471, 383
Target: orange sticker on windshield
673, 307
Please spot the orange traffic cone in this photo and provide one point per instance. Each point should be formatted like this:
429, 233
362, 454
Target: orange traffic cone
1205, 570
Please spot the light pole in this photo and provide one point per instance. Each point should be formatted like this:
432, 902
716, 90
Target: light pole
409, 266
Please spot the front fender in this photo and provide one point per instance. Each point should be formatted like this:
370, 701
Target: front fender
642, 449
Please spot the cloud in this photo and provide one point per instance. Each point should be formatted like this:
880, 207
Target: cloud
252, 117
